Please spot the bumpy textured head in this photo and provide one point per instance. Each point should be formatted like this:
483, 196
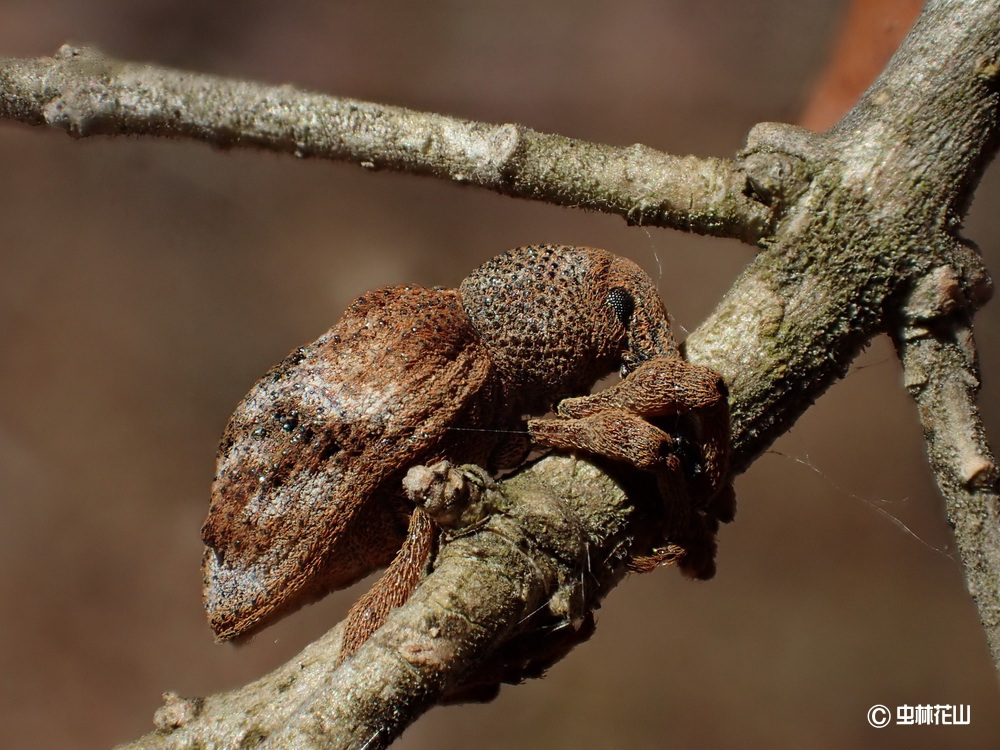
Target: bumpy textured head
555, 318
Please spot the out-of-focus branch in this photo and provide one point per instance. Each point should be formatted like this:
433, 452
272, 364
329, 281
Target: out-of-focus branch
869, 34
86, 93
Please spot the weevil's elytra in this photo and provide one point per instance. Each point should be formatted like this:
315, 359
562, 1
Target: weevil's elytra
308, 495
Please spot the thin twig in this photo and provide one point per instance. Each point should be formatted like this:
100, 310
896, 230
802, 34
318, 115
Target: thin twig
941, 372
86, 93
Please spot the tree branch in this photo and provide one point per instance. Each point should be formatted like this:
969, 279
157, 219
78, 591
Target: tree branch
86, 93
864, 213
941, 372
876, 206
558, 538
858, 228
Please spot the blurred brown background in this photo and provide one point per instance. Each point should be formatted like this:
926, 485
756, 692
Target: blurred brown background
144, 286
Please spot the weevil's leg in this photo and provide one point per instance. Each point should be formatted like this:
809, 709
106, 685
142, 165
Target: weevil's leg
698, 560
658, 387
676, 518
687, 527
723, 504
665, 555
613, 433
713, 440
714, 482
664, 386
394, 587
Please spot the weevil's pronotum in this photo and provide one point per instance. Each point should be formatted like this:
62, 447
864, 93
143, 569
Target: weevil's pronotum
308, 494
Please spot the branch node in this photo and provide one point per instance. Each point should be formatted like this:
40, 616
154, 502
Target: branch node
975, 276
176, 711
780, 161
988, 68
778, 137
69, 51
456, 498
776, 180
977, 472
936, 295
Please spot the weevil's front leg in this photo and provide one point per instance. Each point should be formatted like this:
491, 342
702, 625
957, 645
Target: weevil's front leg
689, 526
659, 387
688, 530
666, 386
613, 433
629, 422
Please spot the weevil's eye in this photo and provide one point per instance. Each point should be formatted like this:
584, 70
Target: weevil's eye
623, 303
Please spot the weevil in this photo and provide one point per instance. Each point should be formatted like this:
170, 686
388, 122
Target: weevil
307, 496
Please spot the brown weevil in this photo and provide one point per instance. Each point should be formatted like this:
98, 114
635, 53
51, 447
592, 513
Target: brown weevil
308, 496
